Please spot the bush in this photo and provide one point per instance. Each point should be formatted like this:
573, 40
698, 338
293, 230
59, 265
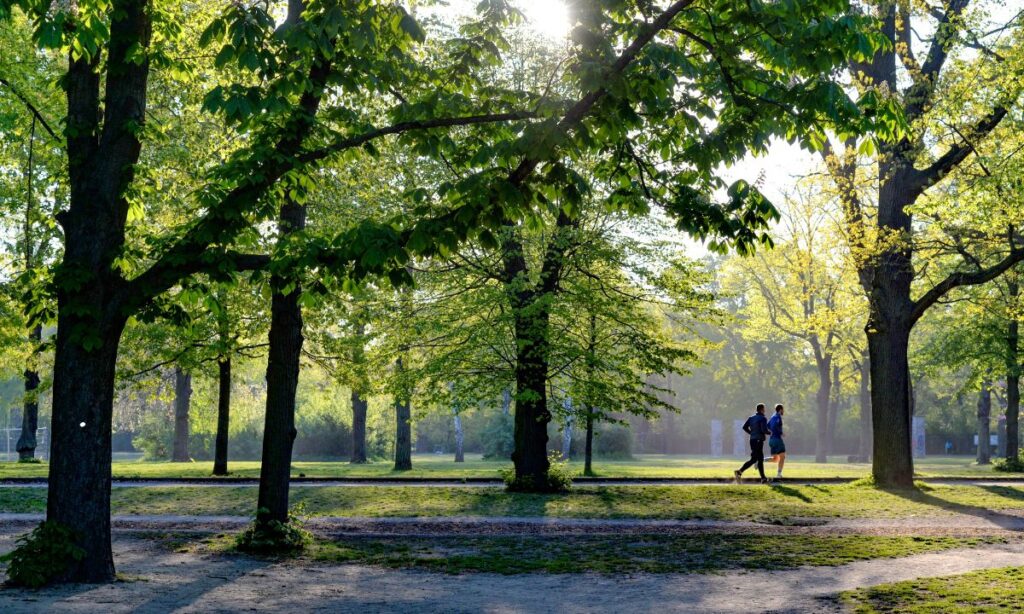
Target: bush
614, 441
323, 435
42, 556
1010, 465
275, 537
30, 461
498, 438
559, 478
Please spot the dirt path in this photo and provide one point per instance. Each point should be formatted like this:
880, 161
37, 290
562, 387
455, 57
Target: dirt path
951, 524
162, 581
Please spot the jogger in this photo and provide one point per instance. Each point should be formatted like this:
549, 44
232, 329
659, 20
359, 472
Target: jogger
757, 427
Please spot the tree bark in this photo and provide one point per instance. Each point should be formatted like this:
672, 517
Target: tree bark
403, 430
283, 357
835, 401
460, 457
588, 450
78, 494
359, 404
864, 450
567, 425
1013, 378
892, 462
220, 453
30, 409
984, 423
182, 404
359, 407
90, 291
823, 399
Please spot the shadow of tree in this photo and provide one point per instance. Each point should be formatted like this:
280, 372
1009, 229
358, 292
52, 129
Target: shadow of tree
1002, 520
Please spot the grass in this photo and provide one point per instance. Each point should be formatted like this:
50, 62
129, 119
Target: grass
431, 465
773, 504
989, 591
623, 554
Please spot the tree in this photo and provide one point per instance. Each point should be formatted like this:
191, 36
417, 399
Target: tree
949, 117
799, 289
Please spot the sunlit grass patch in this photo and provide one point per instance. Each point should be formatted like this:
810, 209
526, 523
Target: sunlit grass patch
990, 591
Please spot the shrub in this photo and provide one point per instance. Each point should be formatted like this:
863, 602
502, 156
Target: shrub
322, 435
498, 438
559, 478
614, 441
42, 556
30, 461
1010, 465
275, 537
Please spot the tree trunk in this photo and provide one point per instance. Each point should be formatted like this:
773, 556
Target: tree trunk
567, 425
220, 453
823, 398
403, 431
588, 450
532, 416
835, 402
78, 494
359, 407
892, 462
984, 420
182, 404
30, 409
282, 380
459, 456
1013, 379
864, 451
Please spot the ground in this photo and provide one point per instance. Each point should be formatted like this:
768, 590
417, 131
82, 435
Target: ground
794, 547
442, 466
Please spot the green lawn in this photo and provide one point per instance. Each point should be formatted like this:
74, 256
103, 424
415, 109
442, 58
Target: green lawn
750, 502
623, 554
990, 591
430, 465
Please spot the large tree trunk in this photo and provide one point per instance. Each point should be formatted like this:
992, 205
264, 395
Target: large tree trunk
823, 398
1013, 378
78, 495
359, 407
282, 381
182, 404
30, 408
892, 462
864, 450
532, 416
403, 431
984, 423
220, 453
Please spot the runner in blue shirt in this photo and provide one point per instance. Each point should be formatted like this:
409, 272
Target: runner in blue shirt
775, 443
757, 427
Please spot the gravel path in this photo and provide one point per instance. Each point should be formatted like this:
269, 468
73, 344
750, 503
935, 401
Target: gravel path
161, 581
1007, 523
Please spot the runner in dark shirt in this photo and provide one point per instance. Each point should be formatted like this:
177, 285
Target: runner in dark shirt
757, 427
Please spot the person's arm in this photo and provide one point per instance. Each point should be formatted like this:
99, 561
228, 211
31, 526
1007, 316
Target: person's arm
746, 427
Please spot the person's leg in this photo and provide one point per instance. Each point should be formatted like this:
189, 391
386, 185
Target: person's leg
782, 462
746, 465
757, 449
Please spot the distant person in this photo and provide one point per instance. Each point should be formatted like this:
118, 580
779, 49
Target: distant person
757, 427
949, 447
775, 444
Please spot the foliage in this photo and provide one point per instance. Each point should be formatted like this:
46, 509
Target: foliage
1015, 465
275, 537
497, 437
42, 555
614, 442
559, 477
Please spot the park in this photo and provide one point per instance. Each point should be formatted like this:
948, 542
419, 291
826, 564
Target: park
511, 306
